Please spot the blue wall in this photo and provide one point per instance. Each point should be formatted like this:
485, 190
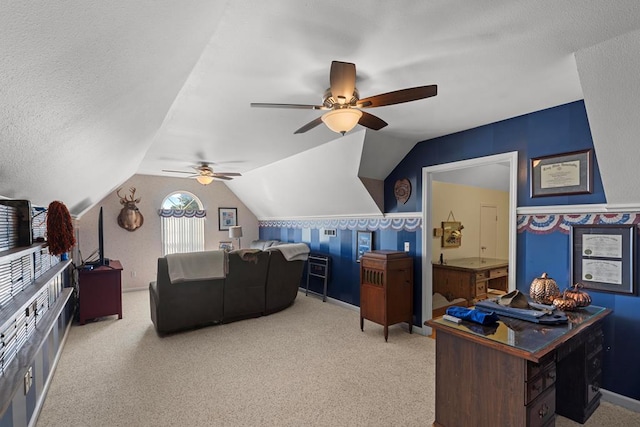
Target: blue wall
556, 130
552, 131
344, 284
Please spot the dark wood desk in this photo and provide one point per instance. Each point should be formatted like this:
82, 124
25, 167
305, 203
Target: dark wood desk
100, 291
469, 278
518, 373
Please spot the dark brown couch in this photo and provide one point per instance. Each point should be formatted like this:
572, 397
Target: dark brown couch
257, 284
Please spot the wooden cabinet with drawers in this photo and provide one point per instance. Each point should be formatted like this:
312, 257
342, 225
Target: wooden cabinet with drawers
580, 367
470, 278
386, 289
530, 372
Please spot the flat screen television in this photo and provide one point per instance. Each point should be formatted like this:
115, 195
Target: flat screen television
102, 260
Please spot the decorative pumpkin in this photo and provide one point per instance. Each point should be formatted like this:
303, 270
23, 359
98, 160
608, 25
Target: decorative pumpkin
564, 303
581, 298
544, 289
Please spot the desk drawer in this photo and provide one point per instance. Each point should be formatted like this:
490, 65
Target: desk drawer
542, 409
482, 275
541, 383
545, 364
499, 272
481, 289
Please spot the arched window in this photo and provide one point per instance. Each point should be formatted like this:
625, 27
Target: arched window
182, 223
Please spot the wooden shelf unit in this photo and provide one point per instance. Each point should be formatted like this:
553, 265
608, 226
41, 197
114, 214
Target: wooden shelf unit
36, 310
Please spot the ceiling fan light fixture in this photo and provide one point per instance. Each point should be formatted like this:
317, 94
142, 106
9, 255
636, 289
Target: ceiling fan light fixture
204, 179
342, 120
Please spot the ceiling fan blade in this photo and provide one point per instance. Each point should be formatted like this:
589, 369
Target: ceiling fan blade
399, 96
342, 79
166, 170
297, 106
372, 122
309, 125
226, 178
226, 174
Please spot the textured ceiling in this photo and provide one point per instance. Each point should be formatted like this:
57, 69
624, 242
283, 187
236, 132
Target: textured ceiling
101, 90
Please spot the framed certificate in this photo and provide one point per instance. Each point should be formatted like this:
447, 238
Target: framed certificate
562, 174
602, 257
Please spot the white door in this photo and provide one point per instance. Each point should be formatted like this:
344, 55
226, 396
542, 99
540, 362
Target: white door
488, 231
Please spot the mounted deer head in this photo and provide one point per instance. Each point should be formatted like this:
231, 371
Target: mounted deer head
130, 217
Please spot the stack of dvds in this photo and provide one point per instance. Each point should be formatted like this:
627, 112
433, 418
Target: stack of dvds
27, 270
4, 232
55, 288
38, 223
8, 228
5, 283
16, 277
9, 345
29, 320
21, 327
37, 259
42, 303
45, 260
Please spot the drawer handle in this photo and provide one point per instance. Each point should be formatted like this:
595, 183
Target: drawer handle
595, 387
536, 387
543, 411
551, 375
595, 363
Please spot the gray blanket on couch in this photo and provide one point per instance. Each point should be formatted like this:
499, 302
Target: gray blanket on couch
292, 251
197, 266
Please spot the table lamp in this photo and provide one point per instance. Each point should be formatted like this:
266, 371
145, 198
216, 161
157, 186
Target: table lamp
235, 232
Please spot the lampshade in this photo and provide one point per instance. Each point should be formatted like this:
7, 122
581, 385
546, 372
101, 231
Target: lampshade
204, 179
235, 232
342, 120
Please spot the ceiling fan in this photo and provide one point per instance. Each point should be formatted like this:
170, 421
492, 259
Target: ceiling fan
342, 99
205, 174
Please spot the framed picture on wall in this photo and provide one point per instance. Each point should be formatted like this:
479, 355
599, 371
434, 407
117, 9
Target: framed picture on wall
364, 243
562, 174
602, 257
451, 234
227, 218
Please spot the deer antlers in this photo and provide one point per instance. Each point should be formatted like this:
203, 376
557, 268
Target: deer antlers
124, 199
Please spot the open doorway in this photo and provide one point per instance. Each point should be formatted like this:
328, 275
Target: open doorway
476, 171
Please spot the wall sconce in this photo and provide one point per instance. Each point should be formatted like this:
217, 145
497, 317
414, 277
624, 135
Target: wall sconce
235, 232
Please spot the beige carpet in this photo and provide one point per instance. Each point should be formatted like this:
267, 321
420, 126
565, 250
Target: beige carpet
309, 365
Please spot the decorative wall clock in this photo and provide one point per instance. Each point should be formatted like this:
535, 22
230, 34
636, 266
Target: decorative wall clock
402, 190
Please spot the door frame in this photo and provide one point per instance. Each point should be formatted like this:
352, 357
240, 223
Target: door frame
427, 220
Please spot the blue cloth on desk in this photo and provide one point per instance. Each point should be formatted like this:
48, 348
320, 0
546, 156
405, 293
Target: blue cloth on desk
476, 316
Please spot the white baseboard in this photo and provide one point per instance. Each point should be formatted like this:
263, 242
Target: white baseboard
405, 325
620, 400
144, 288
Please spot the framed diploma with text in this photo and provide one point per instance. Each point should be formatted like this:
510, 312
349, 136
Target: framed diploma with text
602, 257
562, 174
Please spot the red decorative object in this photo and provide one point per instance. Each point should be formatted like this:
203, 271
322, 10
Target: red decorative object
59, 229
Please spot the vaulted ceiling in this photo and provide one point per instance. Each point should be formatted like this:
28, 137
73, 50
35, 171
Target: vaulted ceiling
92, 92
